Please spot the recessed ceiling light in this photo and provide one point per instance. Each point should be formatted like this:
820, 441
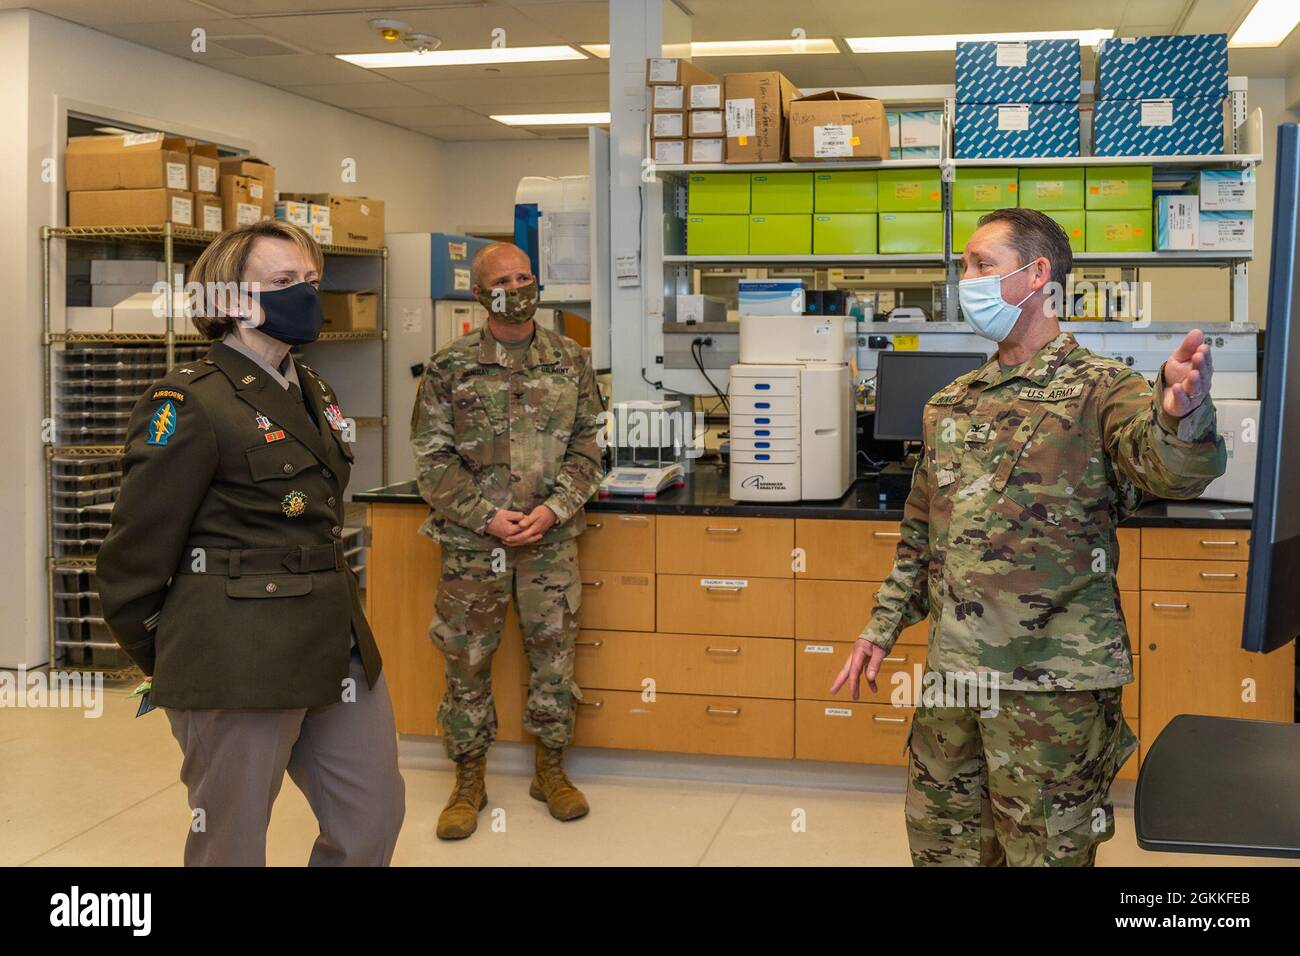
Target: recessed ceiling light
553, 119
1268, 24
940, 42
789, 46
518, 54
113, 130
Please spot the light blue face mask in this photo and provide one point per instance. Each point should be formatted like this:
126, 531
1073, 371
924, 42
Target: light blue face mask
981, 302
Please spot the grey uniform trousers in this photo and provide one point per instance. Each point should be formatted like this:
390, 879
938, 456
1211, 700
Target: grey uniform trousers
342, 756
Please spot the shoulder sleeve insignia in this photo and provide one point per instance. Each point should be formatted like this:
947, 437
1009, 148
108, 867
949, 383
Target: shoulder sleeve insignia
163, 424
171, 393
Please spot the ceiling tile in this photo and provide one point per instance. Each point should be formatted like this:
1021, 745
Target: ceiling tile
98, 12
401, 8
576, 22
458, 29
300, 70
488, 131
511, 71
418, 117
176, 36
503, 91
351, 96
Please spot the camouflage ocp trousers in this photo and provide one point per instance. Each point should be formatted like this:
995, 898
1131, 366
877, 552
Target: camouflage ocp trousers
1027, 786
474, 591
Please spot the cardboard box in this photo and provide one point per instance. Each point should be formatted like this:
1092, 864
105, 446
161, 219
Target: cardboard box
350, 311
964, 224
1033, 71
909, 190
706, 150
669, 71
322, 234
1227, 231
1075, 224
136, 314
919, 129
835, 125
717, 235
668, 152
985, 189
241, 200
780, 234
297, 213
757, 109
704, 96
1118, 230
1117, 187
667, 99
1176, 222
706, 124
718, 193
668, 125
205, 168
131, 271
108, 294
694, 308
771, 297
130, 207
1010, 130
257, 169
895, 121
357, 220
844, 233
1225, 189
781, 193
1058, 187
208, 214
87, 319
134, 161
1182, 127
1135, 68
850, 190
918, 152
910, 232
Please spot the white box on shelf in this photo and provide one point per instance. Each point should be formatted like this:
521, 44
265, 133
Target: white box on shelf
695, 308
1227, 231
1225, 189
770, 297
130, 271
83, 318
1177, 223
794, 339
1238, 423
137, 314
706, 150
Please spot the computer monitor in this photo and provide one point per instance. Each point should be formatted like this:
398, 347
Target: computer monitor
1272, 598
905, 381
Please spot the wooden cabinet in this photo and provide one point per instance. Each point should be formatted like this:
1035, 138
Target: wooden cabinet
817, 665
836, 550
1128, 574
1169, 575
852, 732
724, 546
686, 664
1204, 543
752, 607
617, 600
839, 610
618, 542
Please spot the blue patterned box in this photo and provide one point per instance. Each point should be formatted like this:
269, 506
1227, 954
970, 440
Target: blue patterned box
1004, 130
1137, 68
1190, 127
1035, 71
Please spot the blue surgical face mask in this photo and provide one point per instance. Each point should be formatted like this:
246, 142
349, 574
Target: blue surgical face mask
981, 302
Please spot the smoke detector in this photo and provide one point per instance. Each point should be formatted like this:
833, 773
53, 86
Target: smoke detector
390, 30
421, 42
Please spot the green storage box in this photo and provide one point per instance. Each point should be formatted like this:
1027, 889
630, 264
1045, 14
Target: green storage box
781, 193
909, 190
1118, 187
964, 225
710, 194
984, 189
780, 234
844, 233
911, 232
717, 235
847, 191
1074, 222
1051, 188
1118, 230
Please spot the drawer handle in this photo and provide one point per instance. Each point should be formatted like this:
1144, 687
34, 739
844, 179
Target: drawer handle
722, 650
1230, 575
634, 519
894, 660
889, 720
593, 704
1220, 544
593, 584
715, 587
595, 525
588, 643
1180, 607
722, 530
722, 711
886, 534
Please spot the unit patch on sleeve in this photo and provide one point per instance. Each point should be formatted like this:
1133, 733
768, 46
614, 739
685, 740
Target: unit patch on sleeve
167, 393
163, 424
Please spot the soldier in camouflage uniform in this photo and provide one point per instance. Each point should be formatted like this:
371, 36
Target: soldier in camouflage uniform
1008, 545
505, 430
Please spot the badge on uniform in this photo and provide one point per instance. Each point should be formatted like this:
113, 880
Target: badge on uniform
263, 422
248, 378
163, 424
334, 417
277, 435
294, 504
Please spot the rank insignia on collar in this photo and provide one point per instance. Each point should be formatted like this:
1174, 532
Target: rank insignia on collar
162, 425
334, 417
187, 371
294, 504
277, 435
247, 378
263, 422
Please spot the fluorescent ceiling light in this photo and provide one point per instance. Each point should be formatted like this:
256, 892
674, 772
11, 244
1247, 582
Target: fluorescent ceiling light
518, 54
113, 130
943, 42
783, 47
553, 119
1268, 23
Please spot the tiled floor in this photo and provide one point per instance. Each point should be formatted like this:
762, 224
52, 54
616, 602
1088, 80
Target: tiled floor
77, 791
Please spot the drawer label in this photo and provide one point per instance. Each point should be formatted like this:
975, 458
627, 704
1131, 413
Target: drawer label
838, 712
635, 580
818, 649
723, 583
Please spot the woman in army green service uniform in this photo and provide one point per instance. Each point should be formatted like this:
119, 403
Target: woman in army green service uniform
223, 574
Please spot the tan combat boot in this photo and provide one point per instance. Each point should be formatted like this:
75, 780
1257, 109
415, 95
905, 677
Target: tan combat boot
460, 817
552, 785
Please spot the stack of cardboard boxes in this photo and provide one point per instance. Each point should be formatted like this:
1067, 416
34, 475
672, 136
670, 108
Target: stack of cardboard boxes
138, 179
356, 221
1161, 95
686, 124
914, 134
911, 211
979, 191
1059, 193
1218, 214
247, 191
1118, 203
1018, 99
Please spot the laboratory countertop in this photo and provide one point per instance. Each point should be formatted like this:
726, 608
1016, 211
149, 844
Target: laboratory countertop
706, 493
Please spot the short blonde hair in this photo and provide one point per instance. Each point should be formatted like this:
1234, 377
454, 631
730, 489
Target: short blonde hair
223, 262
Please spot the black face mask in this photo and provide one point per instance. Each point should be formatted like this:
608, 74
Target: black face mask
293, 315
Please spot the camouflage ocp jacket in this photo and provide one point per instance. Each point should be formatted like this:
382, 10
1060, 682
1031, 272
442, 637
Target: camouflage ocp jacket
1008, 536
490, 432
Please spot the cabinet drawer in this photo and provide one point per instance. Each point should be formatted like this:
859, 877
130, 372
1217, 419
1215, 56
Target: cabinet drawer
617, 542
1130, 555
1209, 544
686, 723
1130, 769
724, 547
617, 601
846, 550
856, 733
1130, 693
686, 663
1166, 575
762, 607
1131, 604
839, 610
816, 668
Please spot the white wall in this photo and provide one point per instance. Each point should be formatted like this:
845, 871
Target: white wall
486, 174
